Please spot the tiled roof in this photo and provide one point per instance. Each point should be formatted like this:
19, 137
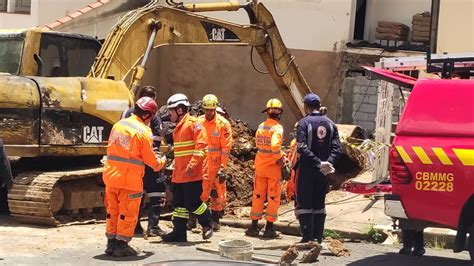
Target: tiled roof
76, 14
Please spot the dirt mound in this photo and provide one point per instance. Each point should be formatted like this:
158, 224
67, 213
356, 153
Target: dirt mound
241, 165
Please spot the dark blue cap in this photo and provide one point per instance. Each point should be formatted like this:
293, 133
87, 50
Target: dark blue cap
311, 99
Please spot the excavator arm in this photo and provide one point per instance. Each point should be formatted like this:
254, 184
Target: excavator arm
125, 51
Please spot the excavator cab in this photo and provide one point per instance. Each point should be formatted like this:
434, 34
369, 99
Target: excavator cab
36, 52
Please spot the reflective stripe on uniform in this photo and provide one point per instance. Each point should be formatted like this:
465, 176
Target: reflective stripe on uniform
310, 136
184, 143
198, 153
303, 211
156, 138
213, 149
183, 153
135, 195
256, 214
215, 133
156, 194
269, 151
264, 127
201, 209
136, 127
272, 215
321, 211
181, 213
125, 160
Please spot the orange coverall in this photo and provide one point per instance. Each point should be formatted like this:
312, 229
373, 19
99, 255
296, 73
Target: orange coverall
289, 186
269, 138
219, 136
129, 149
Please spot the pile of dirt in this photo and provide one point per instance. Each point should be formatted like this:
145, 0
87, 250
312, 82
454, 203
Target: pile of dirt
241, 165
240, 170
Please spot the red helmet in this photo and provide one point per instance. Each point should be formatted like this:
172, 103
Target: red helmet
147, 104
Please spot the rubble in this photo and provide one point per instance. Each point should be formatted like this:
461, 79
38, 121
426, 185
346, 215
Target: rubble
337, 247
289, 255
312, 255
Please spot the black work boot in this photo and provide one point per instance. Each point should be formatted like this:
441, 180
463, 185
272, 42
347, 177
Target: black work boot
207, 232
407, 239
253, 229
216, 226
270, 232
192, 222
155, 231
111, 243
318, 227
418, 244
122, 249
306, 227
179, 231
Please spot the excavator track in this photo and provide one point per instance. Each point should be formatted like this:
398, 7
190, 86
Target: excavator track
54, 198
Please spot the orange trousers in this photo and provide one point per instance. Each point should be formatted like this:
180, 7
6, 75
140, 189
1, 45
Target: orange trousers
209, 183
289, 187
122, 212
266, 188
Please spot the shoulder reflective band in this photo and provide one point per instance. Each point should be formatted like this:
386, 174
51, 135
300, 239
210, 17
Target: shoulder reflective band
135, 195
125, 160
264, 127
136, 127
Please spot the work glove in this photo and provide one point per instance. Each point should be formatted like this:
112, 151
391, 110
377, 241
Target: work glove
222, 176
189, 170
326, 168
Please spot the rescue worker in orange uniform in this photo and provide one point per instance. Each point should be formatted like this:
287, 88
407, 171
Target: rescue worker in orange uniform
190, 143
268, 167
289, 186
129, 149
219, 136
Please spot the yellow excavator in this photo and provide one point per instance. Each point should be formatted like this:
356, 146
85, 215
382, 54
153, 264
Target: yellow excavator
61, 93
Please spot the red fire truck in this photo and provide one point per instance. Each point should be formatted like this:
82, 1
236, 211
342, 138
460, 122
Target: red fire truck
431, 158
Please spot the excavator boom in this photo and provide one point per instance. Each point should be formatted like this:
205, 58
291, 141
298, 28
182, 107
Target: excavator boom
124, 47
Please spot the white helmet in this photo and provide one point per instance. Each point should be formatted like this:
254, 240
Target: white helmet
176, 100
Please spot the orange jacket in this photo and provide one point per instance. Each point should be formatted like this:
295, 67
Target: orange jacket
269, 138
129, 148
190, 142
293, 153
219, 136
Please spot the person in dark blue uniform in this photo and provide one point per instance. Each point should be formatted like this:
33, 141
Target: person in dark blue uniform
153, 182
318, 148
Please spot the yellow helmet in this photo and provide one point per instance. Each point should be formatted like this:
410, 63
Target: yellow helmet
273, 103
209, 101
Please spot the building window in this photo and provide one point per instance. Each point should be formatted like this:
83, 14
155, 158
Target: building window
3, 5
23, 6
17, 6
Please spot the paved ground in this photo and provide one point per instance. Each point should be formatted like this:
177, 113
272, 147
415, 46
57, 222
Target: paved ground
84, 244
